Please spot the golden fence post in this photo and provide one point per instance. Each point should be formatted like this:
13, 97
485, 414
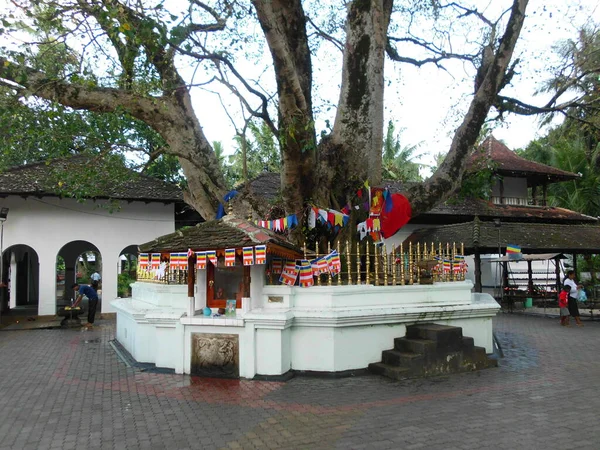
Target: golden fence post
385, 266
410, 264
402, 280
453, 261
304, 249
367, 265
449, 275
317, 257
417, 263
376, 265
463, 271
341, 268
349, 263
328, 272
394, 265
358, 263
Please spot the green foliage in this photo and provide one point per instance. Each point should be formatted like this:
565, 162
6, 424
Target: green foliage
167, 168
399, 161
262, 153
124, 280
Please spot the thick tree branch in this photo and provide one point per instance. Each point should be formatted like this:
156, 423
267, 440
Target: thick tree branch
448, 177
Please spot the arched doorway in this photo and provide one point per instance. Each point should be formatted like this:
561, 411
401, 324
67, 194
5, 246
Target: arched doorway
21, 273
75, 262
126, 270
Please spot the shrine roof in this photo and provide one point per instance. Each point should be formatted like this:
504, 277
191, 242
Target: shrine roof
486, 237
44, 178
508, 163
228, 232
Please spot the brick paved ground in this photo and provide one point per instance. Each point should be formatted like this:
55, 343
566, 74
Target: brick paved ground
67, 389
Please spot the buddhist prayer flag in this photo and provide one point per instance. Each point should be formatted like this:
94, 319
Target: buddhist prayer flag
277, 265
314, 264
323, 265
447, 266
201, 260
306, 274
290, 276
211, 255
248, 256
143, 261
334, 263
155, 261
183, 261
289, 267
513, 251
229, 257
261, 254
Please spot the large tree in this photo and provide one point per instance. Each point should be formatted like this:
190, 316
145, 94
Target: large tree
131, 56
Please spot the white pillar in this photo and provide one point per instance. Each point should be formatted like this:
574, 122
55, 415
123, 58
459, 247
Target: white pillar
257, 283
110, 263
200, 290
47, 305
13, 281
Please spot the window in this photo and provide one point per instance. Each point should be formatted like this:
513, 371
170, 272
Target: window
227, 283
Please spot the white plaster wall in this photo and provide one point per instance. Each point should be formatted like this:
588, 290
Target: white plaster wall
49, 223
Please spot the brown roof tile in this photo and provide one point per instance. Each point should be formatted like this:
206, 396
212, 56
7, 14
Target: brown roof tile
228, 232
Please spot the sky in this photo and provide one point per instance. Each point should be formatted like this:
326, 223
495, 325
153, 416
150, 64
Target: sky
426, 103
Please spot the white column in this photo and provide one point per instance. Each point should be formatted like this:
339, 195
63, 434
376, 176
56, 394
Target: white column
47, 305
13, 281
257, 282
110, 263
200, 290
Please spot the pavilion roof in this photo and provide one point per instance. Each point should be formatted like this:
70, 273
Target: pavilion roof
40, 179
508, 163
228, 232
486, 237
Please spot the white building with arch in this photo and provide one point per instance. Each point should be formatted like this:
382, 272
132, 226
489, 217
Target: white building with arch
42, 225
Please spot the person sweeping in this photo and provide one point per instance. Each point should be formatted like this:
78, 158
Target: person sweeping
92, 296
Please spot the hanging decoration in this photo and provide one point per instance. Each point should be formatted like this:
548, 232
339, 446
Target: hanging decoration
277, 265
261, 254
330, 217
387, 214
279, 225
226, 198
248, 256
143, 261
334, 263
289, 276
155, 261
396, 213
211, 255
201, 260
229, 257
306, 274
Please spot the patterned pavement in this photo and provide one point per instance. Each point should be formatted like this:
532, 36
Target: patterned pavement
63, 389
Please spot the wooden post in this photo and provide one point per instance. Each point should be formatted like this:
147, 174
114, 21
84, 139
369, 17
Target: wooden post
575, 266
529, 278
191, 280
478, 287
557, 273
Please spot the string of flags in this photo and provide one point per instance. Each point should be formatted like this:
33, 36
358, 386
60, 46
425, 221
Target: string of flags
303, 271
446, 266
179, 261
330, 217
283, 224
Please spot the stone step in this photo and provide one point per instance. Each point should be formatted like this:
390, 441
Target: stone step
446, 337
468, 343
423, 347
405, 359
393, 372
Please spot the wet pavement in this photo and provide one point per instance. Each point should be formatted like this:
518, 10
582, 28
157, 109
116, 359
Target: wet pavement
68, 389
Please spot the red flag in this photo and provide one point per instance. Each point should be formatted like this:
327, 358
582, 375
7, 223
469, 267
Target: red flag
395, 214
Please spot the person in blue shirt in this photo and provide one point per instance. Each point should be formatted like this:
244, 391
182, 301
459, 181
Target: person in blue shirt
92, 296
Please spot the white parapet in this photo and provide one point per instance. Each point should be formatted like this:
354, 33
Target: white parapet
322, 328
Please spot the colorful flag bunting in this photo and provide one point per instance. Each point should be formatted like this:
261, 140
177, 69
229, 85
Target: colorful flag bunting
143, 261
306, 274
323, 265
261, 254
211, 255
289, 278
201, 260
248, 256
277, 265
334, 263
229, 257
155, 261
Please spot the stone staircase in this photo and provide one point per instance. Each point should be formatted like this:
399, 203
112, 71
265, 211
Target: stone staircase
429, 350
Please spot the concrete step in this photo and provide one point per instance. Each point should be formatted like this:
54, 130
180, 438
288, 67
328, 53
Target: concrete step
424, 347
393, 372
446, 337
405, 359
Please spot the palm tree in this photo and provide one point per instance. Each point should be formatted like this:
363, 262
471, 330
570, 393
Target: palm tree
399, 161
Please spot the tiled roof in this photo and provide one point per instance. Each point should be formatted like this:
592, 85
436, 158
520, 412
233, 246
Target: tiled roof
228, 232
40, 179
531, 237
469, 208
509, 163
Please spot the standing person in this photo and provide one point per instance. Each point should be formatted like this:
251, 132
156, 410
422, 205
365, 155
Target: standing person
92, 296
563, 304
573, 308
95, 277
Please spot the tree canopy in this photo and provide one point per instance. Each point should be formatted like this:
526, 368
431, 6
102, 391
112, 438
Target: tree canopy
141, 61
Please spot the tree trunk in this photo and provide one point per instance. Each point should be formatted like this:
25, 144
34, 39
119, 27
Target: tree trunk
284, 26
